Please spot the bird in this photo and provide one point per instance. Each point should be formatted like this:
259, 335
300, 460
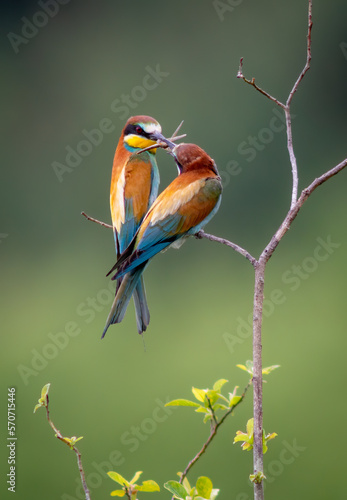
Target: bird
134, 187
181, 210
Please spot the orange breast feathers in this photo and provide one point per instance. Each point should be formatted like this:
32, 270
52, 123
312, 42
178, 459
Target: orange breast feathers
192, 195
131, 180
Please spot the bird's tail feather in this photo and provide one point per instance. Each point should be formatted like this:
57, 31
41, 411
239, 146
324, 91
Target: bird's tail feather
141, 306
124, 292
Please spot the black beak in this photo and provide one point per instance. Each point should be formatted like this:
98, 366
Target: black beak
156, 136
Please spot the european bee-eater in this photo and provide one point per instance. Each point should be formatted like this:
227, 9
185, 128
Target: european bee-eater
134, 187
181, 210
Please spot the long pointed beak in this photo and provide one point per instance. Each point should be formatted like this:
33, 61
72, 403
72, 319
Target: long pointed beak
156, 136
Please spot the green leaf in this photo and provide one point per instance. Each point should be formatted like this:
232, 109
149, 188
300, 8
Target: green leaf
201, 409
220, 407
72, 441
240, 436
207, 418
212, 396
199, 394
37, 407
242, 367
214, 493
250, 427
185, 482
45, 390
43, 401
267, 438
234, 400
118, 478
204, 486
257, 478
117, 493
249, 365
176, 489
269, 369
248, 368
182, 402
270, 436
135, 478
219, 384
246, 438
223, 398
148, 486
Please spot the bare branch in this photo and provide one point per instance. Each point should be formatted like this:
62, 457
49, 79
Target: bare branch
177, 130
287, 110
308, 57
258, 301
292, 157
252, 83
59, 435
237, 248
97, 221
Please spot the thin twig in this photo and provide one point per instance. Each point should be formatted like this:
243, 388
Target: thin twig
214, 418
308, 56
253, 84
212, 435
237, 248
287, 110
177, 130
78, 454
97, 221
292, 157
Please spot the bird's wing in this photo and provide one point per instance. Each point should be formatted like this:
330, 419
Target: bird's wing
130, 198
174, 215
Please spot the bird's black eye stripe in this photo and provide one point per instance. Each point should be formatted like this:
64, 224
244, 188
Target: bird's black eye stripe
136, 130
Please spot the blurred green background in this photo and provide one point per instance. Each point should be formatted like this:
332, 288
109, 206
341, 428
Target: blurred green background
64, 79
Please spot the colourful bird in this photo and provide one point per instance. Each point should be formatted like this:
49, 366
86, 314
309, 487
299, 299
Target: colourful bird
181, 210
134, 187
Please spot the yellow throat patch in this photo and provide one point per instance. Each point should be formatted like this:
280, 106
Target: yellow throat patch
135, 141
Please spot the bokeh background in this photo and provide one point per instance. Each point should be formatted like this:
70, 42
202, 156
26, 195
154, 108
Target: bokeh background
65, 78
